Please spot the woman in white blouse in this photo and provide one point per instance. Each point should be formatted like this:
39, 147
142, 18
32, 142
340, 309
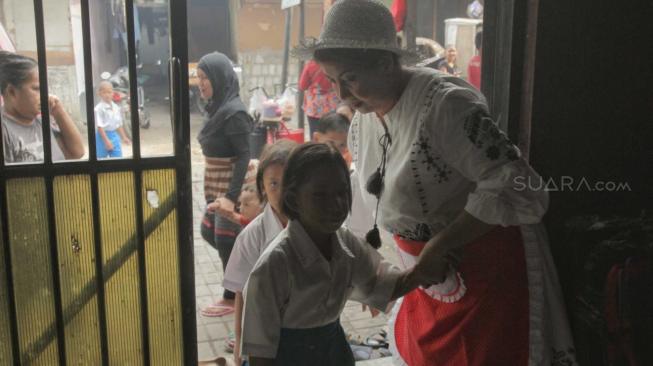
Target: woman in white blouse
449, 184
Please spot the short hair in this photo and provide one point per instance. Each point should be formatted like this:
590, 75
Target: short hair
478, 40
332, 122
276, 153
355, 58
15, 69
303, 160
104, 84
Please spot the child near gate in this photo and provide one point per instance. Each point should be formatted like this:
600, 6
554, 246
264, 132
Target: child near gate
301, 282
108, 120
254, 238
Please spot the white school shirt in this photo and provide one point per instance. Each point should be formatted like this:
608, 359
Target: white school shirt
108, 116
249, 245
447, 155
294, 286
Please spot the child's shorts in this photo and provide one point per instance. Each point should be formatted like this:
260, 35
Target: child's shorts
102, 151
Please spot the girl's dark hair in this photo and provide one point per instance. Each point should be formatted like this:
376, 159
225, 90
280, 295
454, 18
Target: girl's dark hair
276, 153
15, 69
354, 58
303, 160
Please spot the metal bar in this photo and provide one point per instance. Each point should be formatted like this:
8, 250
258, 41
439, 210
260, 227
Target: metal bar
13, 320
89, 290
142, 275
87, 167
43, 81
133, 80
300, 94
525, 119
179, 49
99, 280
54, 264
286, 50
88, 79
47, 156
95, 200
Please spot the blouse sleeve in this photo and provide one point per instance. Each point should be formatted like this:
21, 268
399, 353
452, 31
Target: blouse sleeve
507, 188
265, 296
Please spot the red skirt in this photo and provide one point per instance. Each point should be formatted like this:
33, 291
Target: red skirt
487, 325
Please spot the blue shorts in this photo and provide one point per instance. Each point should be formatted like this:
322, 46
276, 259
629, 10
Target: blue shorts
102, 151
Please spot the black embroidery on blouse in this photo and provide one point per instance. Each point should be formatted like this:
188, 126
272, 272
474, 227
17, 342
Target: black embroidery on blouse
353, 137
421, 232
423, 160
484, 133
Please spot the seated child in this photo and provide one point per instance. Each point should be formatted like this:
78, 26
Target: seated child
254, 238
249, 206
108, 121
301, 282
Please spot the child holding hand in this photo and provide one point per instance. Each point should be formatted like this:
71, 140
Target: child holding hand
301, 282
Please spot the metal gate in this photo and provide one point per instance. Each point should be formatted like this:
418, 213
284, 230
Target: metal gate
96, 261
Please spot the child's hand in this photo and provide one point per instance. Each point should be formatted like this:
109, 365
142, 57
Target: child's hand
126, 141
108, 145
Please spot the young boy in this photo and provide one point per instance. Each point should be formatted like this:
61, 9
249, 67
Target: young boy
333, 128
108, 120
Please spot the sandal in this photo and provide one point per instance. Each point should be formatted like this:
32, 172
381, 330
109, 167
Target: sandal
217, 310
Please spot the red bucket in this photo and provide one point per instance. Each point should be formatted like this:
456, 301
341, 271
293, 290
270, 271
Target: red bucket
296, 134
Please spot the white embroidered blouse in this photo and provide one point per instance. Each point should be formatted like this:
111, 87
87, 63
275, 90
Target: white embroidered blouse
446, 155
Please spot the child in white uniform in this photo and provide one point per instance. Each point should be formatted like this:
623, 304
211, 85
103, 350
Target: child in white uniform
299, 286
108, 121
251, 242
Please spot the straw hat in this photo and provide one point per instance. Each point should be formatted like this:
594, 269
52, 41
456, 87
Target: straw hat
359, 24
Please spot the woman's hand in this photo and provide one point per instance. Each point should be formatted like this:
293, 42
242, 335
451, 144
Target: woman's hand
56, 107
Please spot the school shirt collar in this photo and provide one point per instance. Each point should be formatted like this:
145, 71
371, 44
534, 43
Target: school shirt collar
271, 224
307, 251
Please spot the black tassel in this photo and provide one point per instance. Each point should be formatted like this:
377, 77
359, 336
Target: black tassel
375, 184
374, 238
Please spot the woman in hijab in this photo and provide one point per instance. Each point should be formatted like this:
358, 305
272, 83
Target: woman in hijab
225, 145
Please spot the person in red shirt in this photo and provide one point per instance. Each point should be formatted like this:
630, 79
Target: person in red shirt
474, 67
319, 96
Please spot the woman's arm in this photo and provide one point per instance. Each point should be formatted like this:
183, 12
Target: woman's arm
71, 140
446, 246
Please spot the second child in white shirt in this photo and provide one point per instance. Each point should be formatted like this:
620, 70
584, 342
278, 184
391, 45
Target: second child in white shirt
254, 238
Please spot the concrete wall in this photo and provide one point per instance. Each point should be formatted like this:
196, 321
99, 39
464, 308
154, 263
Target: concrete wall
263, 68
